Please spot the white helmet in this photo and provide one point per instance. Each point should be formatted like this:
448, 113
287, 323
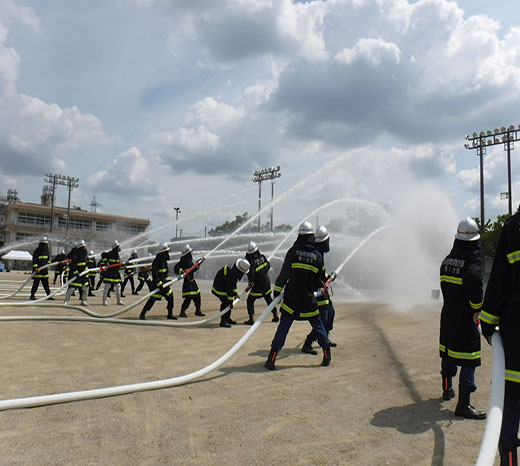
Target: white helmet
187, 249
163, 247
305, 229
242, 265
80, 244
252, 247
91, 253
467, 230
44, 239
321, 234
116, 244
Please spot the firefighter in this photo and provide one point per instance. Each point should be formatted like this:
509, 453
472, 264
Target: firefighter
225, 288
91, 275
190, 288
302, 274
112, 277
40, 258
102, 263
259, 281
78, 264
58, 268
159, 278
143, 276
461, 285
129, 274
325, 306
501, 309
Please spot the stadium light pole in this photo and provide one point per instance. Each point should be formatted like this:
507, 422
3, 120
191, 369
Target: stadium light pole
505, 136
64, 180
262, 175
177, 212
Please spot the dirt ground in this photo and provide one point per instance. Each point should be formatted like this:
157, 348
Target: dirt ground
378, 403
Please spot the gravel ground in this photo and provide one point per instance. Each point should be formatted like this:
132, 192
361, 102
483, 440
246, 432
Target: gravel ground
377, 404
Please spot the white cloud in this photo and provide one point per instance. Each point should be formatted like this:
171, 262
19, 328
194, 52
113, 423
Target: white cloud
373, 51
129, 172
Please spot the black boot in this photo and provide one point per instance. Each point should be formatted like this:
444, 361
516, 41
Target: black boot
326, 357
507, 457
447, 391
198, 313
183, 313
224, 323
307, 346
142, 315
269, 364
464, 409
251, 320
275, 316
170, 315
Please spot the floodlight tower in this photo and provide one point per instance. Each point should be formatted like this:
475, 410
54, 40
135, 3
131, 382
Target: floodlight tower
64, 180
505, 136
262, 175
177, 212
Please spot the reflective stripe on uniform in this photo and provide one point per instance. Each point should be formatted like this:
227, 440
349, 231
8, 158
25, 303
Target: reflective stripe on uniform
461, 354
299, 265
451, 279
476, 306
513, 257
488, 318
190, 293
512, 376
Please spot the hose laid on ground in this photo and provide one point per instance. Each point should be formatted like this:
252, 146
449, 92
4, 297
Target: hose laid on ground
43, 267
486, 456
30, 402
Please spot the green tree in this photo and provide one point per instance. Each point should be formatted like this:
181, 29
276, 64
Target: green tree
490, 233
229, 227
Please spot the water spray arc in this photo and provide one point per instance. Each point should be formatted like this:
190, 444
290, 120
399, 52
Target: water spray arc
166, 383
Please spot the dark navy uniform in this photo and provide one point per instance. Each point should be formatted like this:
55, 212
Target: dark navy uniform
502, 307
129, 273
159, 279
225, 289
78, 264
58, 268
143, 276
112, 275
459, 341
40, 258
190, 288
91, 275
258, 275
302, 273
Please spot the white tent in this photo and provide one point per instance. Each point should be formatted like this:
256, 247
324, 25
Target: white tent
17, 255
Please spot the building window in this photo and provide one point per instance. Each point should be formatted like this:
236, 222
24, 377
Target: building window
102, 226
75, 224
25, 218
129, 228
24, 237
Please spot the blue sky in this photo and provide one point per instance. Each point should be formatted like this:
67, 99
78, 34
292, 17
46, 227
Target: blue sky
154, 104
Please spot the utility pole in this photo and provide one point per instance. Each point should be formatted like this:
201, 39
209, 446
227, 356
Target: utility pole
262, 175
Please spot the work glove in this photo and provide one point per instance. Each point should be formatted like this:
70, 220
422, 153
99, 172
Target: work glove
487, 331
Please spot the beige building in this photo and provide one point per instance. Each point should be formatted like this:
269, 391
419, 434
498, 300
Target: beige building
24, 223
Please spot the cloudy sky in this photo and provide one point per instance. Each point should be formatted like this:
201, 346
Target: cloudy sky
156, 104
